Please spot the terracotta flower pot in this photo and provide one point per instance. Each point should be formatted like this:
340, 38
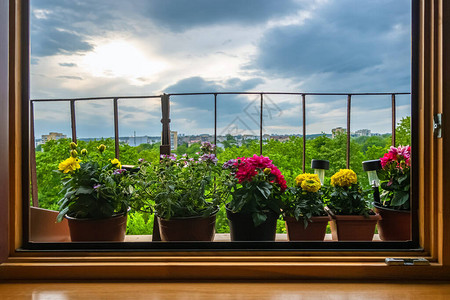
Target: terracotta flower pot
188, 229
98, 230
242, 227
315, 231
353, 228
395, 225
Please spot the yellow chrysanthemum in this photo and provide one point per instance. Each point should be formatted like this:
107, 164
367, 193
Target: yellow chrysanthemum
345, 177
69, 165
310, 185
306, 176
116, 162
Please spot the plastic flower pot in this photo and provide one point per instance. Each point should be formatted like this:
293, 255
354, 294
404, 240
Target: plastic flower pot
353, 228
188, 229
315, 231
111, 229
395, 225
242, 227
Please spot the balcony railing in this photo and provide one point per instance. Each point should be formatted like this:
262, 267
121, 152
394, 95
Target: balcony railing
165, 147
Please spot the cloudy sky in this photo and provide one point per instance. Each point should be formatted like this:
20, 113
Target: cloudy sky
148, 47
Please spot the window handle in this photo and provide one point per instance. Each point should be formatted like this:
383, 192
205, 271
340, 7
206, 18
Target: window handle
437, 125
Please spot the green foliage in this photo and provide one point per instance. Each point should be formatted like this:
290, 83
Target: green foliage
350, 200
396, 194
302, 204
139, 223
180, 187
286, 155
403, 132
281, 226
222, 225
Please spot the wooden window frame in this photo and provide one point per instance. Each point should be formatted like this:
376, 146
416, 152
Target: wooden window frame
432, 186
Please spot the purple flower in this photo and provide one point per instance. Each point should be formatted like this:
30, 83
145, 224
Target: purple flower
118, 171
141, 160
229, 164
208, 157
97, 186
207, 147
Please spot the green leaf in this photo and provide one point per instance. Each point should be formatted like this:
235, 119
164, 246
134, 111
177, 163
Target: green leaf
84, 190
399, 198
61, 214
258, 218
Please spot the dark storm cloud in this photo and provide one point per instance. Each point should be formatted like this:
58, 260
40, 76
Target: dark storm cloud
62, 26
346, 41
179, 15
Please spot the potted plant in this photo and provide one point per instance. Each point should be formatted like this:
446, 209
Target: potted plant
394, 206
348, 206
96, 196
181, 191
257, 185
303, 209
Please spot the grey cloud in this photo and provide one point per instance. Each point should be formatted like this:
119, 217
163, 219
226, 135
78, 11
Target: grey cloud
64, 26
198, 84
181, 15
68, 65
343, 41
71, 77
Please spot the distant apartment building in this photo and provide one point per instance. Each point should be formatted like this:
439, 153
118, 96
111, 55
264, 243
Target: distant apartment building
206, 138
280, 138
363, 132
173, 140
336, 131
53, 136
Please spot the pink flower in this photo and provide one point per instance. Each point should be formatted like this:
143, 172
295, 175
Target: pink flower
279, 178
247, 168
399, 156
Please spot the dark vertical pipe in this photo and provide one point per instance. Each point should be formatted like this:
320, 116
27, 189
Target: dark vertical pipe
165, 137
73, 121
163, 149
261, 125
304, 133
349, 104
393, 119
215, 120
34, 187
116, 128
